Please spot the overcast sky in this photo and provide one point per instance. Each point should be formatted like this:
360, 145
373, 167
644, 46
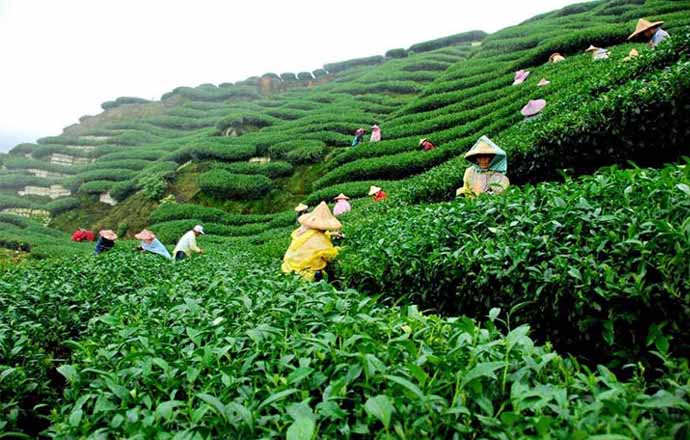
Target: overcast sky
60, 59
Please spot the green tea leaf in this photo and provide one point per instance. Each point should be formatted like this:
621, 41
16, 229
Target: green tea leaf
301, 429
381, 408
69, 372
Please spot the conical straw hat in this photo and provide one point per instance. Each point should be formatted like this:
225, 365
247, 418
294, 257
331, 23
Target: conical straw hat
556, 58
320, 218
483, 146
301, 207
373, 190
533, 107
108, 234
421, 141
341, 196
643, 25
145, 235
543, 82
520, 77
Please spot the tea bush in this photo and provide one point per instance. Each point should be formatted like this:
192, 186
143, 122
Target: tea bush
282, 149
271, 169
306, 154
464, 37
182, 211
157, 348
596, 264
225, 185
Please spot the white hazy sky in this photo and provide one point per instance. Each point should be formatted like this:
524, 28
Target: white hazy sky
60, 59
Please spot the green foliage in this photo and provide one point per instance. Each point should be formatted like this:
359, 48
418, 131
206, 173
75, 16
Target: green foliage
244, 121
121, 190
592, 260
123, 100
271, 169
377, 381
464, 37
183, 211
14, 162
95, 186
222, 149
127, 164
112, 175
396, 53
349, 64
224, 185
63, 204
24, 148
305, 76
288, 76
306, 154
280, 151
319, 73
15, 181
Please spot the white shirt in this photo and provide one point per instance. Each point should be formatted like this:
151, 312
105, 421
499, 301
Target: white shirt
187, 244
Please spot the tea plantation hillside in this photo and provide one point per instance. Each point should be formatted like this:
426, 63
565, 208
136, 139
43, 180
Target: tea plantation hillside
556, 310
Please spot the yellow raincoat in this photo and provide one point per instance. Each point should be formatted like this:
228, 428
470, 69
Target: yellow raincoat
477, 182
309, 251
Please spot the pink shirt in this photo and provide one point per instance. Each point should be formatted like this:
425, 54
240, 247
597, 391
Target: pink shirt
341, 207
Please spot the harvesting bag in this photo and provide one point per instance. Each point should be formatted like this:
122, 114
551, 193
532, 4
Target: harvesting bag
308, 252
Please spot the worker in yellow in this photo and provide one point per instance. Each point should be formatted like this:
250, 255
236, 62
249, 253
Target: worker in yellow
311, 248
488, 171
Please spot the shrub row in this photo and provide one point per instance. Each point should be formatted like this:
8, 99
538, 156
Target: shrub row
123, 100
596, 265
464, 37
13, 162
272, 169
225, 185
183, 211
281, 150
357, 62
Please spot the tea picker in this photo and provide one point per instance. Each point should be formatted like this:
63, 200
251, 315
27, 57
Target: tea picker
106, 241
488, 171
149, 243
651, 31
311, 248
187, 244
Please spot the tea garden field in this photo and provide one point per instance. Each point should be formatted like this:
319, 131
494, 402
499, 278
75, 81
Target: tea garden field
557, 310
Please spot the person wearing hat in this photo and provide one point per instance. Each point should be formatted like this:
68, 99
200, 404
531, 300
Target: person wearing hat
375, 133
556, 58
82, 234
488, 171
149, 243
520, 77
106, 241
187, 244
543, 82
426, 144
533, 108
598, 53
311, 248
300, 210
651, 31
342, 205
359, 134
378, 193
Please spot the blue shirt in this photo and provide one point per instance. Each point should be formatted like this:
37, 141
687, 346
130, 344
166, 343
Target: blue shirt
659, 36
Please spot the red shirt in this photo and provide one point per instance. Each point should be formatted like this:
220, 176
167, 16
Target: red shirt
89, 235
428, 146
79, 236
380, 196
